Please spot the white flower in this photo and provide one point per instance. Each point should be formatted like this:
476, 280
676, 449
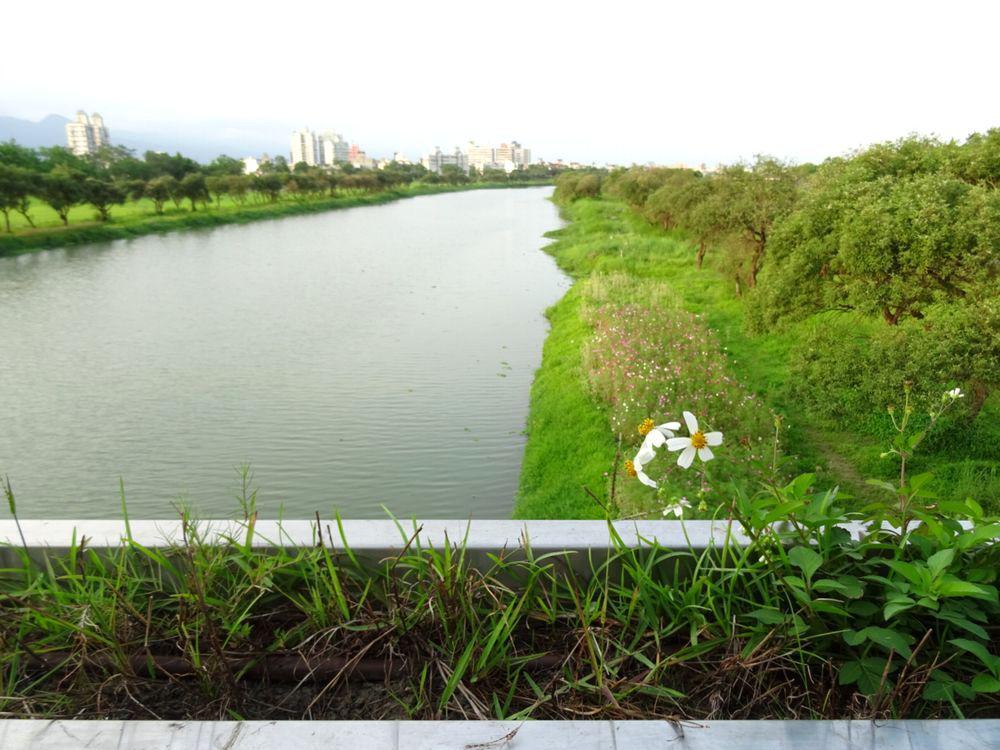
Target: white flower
677, 508
955, 393
655, 438
698, 442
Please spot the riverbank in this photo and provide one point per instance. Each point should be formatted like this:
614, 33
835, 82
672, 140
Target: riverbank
572, 424
137, 218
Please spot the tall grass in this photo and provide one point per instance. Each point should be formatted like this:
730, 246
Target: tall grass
210, 628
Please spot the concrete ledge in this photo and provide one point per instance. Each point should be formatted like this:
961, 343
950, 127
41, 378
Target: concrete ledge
490, 735
375, 539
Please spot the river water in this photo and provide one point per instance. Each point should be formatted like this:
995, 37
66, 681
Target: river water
358, 358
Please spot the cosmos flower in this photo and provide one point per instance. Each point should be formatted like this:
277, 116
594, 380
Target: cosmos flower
697, 442
656, 436
677, 508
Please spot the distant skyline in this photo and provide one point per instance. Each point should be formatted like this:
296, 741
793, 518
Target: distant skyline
625, 82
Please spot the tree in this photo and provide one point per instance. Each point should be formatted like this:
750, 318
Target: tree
224, 166
194, 189
14, 155
268, 185
453, 175
237, 186
752, 200
160, 190
102, 194
59, 157
176, 166
12, 188
910, 242
16, 187
218, 186
61, 189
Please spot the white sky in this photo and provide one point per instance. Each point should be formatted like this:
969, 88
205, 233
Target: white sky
622, 81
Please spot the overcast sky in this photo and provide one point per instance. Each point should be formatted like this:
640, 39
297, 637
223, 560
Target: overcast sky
620, 81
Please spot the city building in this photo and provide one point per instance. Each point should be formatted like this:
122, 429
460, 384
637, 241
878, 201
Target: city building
86, 134
332, 149
479, 157
304, 147
506, 156
357, 157
435, 161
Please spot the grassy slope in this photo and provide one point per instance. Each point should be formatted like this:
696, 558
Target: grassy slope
567, 449
136, 218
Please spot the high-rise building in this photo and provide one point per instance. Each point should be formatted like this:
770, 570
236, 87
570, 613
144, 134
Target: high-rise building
502, 154
86, 134
522, 155
304, 147
509, 156
433, 162
479, 157
332, 149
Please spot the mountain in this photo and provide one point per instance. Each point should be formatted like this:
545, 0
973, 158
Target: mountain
233, 141
50, 131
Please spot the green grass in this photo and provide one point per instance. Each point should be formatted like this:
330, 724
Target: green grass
606, 237
210, 629
569, 444
136, 218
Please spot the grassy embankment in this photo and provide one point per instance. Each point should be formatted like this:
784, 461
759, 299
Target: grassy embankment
571, 442
136, 218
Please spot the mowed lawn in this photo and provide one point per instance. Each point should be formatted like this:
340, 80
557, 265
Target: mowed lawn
130, 212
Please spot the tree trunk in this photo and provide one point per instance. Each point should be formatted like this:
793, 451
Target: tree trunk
64, 215
194, 206
892, 318
6, 219
980, 392
702, 249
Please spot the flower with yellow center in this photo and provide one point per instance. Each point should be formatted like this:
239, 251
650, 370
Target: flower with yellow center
655, 437
646, 425
697, 443
630, 469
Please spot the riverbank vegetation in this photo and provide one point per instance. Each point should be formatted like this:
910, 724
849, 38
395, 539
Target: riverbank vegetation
831, 292
805, 621
50, 197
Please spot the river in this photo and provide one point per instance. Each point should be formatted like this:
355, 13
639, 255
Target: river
360, 358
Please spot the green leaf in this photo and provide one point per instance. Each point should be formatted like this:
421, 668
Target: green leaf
849, 586
863, 609
887, 486
957, 618
980, 651
768, 616
896, 605
824, 585
939, 561
890, 639
952, 586
867, 673
854, 637
979, 534
909, 571
986, 683
806, 560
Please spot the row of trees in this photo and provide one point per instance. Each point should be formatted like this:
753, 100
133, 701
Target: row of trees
906, 232
889, 230
63, 180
